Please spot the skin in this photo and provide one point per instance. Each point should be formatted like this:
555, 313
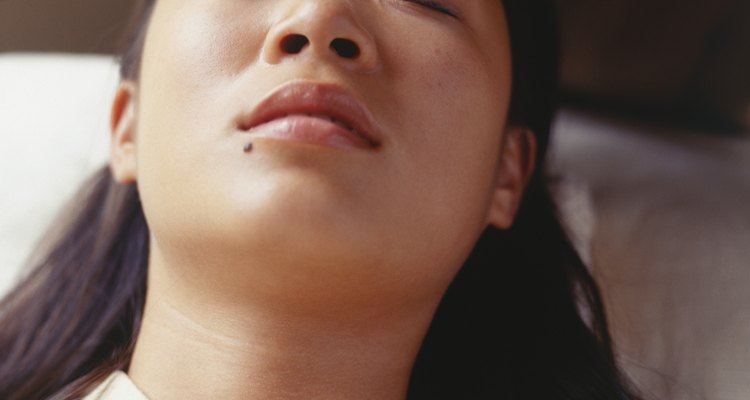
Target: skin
297, 270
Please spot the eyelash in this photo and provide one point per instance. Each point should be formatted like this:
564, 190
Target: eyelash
433, 5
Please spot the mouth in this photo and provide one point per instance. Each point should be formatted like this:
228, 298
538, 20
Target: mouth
315, 113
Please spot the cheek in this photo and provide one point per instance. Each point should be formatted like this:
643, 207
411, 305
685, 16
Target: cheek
454, 99
193, 51
191, 59
451, 104
188, 60
453, 117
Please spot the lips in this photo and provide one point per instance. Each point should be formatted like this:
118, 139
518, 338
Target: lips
312, 112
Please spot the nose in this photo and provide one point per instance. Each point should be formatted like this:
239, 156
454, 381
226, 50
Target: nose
324, 29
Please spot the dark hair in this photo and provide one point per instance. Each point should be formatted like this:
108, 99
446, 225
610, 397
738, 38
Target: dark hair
510, 325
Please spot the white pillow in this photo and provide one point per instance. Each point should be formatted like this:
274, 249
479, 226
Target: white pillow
54, 119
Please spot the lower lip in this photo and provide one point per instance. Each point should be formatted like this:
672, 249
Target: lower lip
311, 130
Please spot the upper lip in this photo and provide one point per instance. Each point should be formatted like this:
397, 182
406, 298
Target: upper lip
314, 98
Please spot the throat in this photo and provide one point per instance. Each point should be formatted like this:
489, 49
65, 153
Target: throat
198, 353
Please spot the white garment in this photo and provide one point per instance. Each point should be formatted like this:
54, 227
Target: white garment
117, 386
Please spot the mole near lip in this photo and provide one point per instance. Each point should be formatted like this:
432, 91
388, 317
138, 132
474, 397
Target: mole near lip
309, 129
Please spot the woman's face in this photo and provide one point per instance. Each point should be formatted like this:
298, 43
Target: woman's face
435, 86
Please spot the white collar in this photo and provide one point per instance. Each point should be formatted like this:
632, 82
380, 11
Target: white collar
117, 386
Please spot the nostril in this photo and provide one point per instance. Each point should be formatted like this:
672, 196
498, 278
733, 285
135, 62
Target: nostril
294, 43
345, 48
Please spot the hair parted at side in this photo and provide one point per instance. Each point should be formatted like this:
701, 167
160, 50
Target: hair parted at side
509, 326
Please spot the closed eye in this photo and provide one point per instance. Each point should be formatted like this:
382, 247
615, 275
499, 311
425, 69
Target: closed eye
436, 6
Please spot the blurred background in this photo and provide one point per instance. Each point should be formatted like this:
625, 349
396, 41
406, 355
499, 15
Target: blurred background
652, 143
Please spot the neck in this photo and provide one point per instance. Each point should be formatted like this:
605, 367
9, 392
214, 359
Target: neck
190, 346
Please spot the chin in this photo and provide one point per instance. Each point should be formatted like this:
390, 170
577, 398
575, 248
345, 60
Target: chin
296, 213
